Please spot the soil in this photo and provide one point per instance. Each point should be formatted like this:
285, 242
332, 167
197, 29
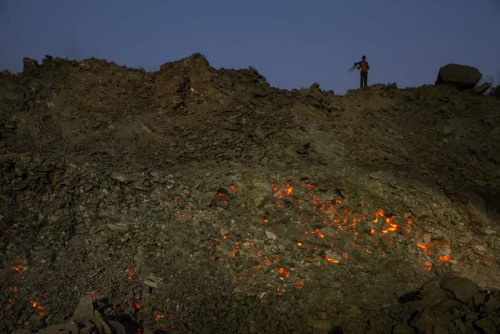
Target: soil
203, 200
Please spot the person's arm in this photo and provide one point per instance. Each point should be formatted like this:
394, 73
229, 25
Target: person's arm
367, 66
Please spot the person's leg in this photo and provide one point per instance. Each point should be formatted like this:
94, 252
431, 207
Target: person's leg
361, 80
364, 80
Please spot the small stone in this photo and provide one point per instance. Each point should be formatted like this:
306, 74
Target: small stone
328, 231
333, 256
402, 329
270, 235
117, 176
152, 281
439, 330
319, 325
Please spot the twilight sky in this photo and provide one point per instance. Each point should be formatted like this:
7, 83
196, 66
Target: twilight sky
293, 43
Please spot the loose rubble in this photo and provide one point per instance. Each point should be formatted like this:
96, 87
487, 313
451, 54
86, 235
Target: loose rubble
195, 199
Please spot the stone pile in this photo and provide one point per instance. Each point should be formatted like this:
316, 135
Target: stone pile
195, 199
446, 304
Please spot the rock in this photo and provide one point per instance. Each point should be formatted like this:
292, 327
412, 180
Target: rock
462, 288
481, 89
328, 231
21, 331
333, 256
492, 303
84, 310
67, 328
117, 176
152, 281
487, 325
117, 327
402, 329
460, 76
439, 330
30, 66
320, 326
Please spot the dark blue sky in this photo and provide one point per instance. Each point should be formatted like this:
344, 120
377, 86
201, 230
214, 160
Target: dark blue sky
293, 43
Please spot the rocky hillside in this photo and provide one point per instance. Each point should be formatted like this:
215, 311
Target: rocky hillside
195, 199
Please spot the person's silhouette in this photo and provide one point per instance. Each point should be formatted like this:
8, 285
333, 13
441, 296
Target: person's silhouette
363, 67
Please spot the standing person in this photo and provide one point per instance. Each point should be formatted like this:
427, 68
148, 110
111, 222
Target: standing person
363, 67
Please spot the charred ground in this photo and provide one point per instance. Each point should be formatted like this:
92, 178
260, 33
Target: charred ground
195, 199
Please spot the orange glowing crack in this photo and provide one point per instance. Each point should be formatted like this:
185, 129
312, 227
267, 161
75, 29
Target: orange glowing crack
425, 247
392, 225
284, 191
379, 213
445, 258
318, 233
283, 271
331, 259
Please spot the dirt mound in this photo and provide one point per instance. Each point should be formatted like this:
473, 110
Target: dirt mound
195, 199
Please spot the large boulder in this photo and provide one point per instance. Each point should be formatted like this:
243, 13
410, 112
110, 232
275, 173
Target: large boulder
460, 76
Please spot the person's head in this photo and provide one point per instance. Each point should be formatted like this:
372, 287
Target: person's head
363, 58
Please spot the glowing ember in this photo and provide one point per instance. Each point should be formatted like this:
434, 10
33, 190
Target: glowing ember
283, 271
285, 191
159, 315
137, 303
130, 272
428, 266
94, 294
39, 308
21, 266
333, 220
331, 259
445, 258
425, 247
318, 233
379, 213
392, 225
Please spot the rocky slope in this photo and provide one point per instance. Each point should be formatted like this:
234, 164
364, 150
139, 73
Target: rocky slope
195, 199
